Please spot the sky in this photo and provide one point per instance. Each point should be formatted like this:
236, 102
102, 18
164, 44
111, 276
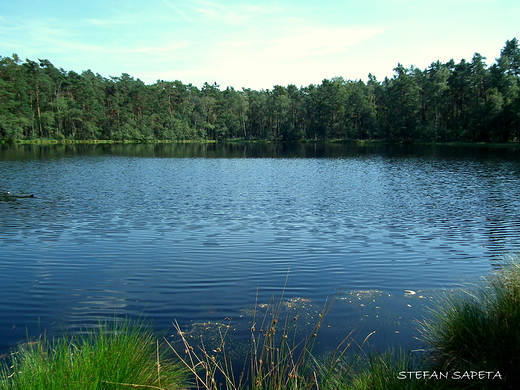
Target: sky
254, 44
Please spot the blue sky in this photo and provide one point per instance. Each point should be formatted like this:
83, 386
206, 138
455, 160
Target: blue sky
254, 44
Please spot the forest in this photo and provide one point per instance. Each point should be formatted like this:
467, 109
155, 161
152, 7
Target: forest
465, 101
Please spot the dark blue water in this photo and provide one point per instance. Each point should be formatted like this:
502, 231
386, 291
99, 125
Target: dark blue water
191, 232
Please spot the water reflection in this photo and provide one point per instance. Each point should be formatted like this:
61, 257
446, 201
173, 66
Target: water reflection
256, 150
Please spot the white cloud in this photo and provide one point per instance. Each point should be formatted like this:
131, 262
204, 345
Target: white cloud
235, 14
301, 58
178, 10
317, 42
147, 49
108, 22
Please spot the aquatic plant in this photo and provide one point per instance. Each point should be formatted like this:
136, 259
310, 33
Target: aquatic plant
280, 353
115, 356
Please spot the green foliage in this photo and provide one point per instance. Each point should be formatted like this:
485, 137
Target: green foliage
381, 372
468, 101
479, 329
117, 356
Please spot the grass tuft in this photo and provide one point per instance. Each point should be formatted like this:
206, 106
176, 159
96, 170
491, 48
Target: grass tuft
382, 372
116, 356
479, 330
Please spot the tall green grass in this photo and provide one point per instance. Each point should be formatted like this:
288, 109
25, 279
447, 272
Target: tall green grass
381, 372
116, 356
479, 330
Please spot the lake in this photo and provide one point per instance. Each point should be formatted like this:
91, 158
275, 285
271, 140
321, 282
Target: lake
197, 233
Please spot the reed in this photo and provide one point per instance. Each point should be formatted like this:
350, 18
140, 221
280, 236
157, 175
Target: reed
280, 354
116, 356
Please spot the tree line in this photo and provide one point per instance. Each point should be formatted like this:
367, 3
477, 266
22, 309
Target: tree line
465, 101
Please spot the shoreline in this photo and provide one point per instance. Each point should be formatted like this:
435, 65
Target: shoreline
251, 141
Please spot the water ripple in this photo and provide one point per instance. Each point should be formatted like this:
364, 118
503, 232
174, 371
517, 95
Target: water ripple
194, 239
